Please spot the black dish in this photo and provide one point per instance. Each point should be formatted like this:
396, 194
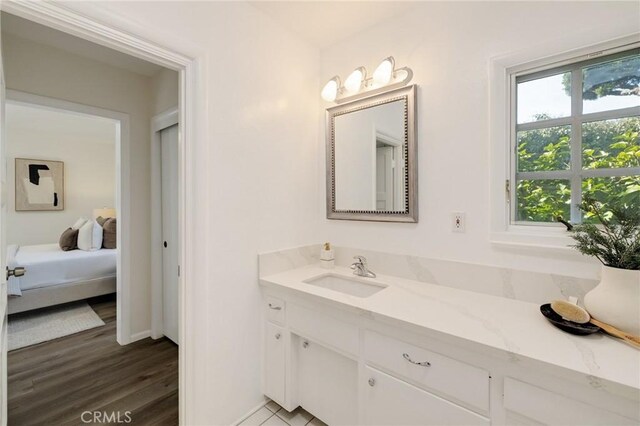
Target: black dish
566, 325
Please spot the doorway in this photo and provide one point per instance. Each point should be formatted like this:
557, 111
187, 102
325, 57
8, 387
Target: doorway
124, 207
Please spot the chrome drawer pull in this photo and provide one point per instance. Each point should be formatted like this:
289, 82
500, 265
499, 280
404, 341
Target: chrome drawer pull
372, 382
278, 335
423, 363
305, 344
277, 308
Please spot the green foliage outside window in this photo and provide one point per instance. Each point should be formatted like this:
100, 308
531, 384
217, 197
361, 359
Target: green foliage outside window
605, 144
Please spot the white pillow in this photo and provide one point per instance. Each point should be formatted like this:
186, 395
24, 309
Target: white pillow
90, 236
79, 223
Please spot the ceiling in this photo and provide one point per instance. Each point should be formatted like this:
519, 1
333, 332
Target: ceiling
41, 34
47, 121
324, 23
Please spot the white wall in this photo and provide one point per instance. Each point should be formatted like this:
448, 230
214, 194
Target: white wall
165, 90
449, 46
255, 174
87, 147
42, 70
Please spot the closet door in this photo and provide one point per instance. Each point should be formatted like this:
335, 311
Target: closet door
169, 182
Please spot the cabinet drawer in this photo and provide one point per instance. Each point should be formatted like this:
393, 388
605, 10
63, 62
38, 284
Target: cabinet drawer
551, 408
275, 309
462, 382
389, 401
324, 329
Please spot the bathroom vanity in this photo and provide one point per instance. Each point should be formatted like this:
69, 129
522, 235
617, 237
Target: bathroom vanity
391, 350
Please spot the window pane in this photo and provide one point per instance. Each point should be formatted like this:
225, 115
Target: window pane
542, 200
611, 143
621, 191
544, 149
544, 98
611, 85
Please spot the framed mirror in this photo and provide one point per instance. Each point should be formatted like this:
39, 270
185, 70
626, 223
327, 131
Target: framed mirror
372, 158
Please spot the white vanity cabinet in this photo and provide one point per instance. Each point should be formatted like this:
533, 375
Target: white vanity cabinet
391, 401
349, 366
346, 374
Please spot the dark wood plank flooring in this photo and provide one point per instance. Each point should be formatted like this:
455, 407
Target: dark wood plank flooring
54, 382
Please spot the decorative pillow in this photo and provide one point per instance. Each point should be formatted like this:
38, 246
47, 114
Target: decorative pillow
109, 235
69, 239
79, 223
90, 236
101, 220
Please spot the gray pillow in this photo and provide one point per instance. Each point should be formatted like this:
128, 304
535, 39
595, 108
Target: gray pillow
101, 220
69, 239
109, 234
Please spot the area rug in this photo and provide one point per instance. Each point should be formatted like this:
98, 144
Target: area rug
39, 326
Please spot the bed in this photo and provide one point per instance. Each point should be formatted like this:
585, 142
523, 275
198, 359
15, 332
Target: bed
54, 276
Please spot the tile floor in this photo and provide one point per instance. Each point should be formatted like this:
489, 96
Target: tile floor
273, 414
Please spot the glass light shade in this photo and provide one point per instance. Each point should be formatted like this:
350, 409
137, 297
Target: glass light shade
330, 90
384, 72
353, 83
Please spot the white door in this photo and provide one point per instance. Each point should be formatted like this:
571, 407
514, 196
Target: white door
327, 383
3, 265
384, 178
169, 182
274, 365
389, 401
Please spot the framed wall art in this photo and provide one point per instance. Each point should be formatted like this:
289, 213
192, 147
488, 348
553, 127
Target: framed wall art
39, 185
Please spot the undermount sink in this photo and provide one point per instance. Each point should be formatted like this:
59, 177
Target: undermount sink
355, 286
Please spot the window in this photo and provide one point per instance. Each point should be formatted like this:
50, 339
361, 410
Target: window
575, 133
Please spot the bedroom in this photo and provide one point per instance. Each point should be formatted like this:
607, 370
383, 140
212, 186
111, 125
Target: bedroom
91, 220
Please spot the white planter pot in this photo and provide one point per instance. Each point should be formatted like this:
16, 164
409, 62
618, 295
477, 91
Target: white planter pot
616, 300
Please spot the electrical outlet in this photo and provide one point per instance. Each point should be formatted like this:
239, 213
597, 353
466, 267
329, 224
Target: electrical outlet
457, 222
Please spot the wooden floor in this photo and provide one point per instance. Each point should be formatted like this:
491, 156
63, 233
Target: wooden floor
54, 382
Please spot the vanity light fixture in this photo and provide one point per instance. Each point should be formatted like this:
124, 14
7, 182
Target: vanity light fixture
382, 75
358, 85
353, 83
331, 89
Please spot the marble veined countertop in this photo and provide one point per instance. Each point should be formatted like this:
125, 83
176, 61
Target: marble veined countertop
508, 325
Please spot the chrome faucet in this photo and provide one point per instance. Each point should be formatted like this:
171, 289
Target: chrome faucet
360, 267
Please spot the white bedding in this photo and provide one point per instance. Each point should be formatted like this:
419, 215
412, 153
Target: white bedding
47, 265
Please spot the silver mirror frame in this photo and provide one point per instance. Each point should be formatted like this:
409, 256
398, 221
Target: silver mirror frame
410, 213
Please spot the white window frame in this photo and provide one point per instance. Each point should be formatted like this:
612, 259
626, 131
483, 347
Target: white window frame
503, 72
575, 174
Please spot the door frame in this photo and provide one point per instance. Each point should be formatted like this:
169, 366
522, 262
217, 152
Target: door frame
159, 122
190, 61
123, 195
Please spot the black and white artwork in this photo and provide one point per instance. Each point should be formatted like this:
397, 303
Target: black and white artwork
39, 185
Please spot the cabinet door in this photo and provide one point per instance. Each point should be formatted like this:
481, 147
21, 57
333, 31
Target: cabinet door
389, 401
327, 383
274, 366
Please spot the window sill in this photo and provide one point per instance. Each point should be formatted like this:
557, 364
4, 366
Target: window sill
535, 240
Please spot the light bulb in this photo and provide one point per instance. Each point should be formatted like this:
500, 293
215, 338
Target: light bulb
384, 72
330, 90
353, 83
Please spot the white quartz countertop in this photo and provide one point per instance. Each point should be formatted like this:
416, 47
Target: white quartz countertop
508, 325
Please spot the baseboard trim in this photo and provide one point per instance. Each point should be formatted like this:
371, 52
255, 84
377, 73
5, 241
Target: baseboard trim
250, 413
139, 336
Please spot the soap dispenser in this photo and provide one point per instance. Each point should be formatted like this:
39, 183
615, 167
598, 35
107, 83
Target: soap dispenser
327, 258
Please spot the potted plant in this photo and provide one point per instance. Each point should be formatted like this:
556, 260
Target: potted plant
614, 241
